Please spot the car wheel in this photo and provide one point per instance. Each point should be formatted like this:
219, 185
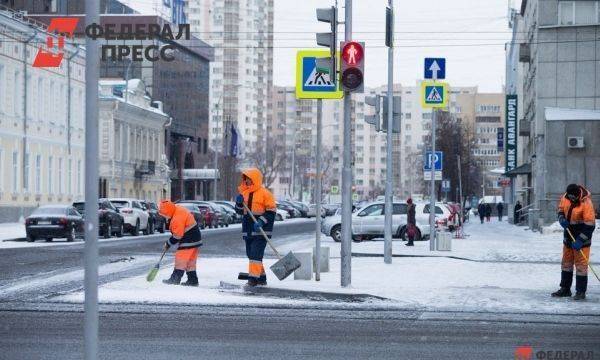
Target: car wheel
146, 231
162, 228
71, 236
120, 231
336, 233
49, 239
357, 238
30, 238
136, 230
278, 218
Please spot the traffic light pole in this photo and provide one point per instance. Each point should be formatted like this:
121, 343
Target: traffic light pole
346, 248
387, 247
318, 191
92, 72
432, 189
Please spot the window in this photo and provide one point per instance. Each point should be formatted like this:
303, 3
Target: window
16, 96
400, 209
40, 99
1, 170
373, 210
26, 174
1, 89
50, 175
69, 177
38, 174
408, 116
60, 176
585, 12
15, 172
487, 119
79, 177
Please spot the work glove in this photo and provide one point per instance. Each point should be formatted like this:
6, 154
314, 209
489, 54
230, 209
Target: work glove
563, 222
578, 244
239, 200
258, 225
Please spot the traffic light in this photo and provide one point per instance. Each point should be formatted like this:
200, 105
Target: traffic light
328, 39
353, 65
376, 118
396, 119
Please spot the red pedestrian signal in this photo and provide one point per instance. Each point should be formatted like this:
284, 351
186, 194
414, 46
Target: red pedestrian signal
352, 71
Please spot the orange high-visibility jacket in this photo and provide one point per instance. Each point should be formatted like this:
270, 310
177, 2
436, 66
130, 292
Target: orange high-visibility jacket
581, 217
259, 200
183, 226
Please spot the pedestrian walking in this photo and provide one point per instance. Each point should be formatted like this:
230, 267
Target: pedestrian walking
488, 212
517, 212
481, 211
576, 215
411, 222
500, 208
186, 233
261, 202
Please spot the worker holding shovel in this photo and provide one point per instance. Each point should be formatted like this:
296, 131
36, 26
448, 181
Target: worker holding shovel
576, 215
260, 202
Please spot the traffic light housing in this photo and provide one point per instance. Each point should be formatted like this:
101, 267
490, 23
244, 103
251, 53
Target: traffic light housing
353, 66
397, 114
375, 119
328, 39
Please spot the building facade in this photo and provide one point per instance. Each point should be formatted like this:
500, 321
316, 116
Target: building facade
41, 121
132, 147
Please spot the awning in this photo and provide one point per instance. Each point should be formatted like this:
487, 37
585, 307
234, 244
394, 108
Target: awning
524, 169
201, 174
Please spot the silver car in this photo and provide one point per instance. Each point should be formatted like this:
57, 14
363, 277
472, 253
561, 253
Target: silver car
368, 222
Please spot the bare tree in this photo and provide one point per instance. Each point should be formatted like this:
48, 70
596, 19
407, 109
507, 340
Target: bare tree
270, 161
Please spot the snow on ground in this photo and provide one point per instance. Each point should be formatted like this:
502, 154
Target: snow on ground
493, 241
497, 284
11, 231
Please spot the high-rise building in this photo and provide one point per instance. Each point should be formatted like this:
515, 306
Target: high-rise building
241, 33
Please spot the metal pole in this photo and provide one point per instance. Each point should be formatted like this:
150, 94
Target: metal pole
293, 179
460, 194
122, 181
387, 247
318, 190
432, 189
92, 70
346, 248
216, 147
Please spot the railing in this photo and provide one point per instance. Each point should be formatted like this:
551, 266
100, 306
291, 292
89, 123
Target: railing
524, 214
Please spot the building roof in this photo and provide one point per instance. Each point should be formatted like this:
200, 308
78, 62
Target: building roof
563, 114
524, 169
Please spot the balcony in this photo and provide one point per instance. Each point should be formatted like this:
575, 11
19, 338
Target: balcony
145, 168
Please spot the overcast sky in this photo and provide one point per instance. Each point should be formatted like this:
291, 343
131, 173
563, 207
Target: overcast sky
470, 34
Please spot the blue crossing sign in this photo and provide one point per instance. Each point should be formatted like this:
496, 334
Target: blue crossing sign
313, 84
435, 68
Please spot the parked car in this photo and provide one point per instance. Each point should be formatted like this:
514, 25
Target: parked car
302, 207
330, 209
110, 222
226, 212
212, 217
312, 211
368, 221
237, 218
54, 221
136, 218
157, 221
298, 209
290, 209
199, 215
281, 214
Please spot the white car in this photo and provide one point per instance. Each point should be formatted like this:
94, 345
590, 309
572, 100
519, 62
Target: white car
368, 221
281, 215
312, 211
134, 216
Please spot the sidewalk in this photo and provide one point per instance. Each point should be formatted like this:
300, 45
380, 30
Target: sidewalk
419, 283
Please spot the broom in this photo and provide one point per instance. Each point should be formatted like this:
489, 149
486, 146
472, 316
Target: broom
152, 274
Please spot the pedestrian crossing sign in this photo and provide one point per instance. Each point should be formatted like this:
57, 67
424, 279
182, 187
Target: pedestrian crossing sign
310, 83
434, 94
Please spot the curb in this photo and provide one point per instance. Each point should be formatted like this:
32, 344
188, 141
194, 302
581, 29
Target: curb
415, 256
299, 294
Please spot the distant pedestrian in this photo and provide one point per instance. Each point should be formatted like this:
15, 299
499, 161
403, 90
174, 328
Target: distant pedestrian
500, 208
411, 222
488, 212
517, 214
577, 217
481, 211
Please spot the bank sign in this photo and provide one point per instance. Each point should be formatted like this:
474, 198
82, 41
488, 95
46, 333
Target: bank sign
511, 132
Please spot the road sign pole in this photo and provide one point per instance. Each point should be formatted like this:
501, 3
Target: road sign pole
432, 189
387, 247
92, 71
318, 191
346, 248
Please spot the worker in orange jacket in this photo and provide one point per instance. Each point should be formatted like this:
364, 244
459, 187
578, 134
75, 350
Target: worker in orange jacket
576, 215
261, 202
186, 233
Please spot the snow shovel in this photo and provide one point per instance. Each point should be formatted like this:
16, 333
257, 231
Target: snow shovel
154, 271
286, 265
582, 254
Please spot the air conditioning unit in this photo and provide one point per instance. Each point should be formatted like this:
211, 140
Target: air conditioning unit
575, 142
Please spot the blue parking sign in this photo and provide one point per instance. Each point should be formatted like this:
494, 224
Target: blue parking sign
437, 159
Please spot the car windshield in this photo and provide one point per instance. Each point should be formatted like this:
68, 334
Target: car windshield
120, 204
79, 206
50, 210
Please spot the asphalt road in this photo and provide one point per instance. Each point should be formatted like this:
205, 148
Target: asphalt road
254, 334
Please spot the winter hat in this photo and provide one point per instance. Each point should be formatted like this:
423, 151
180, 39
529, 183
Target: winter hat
409, 201
574, 190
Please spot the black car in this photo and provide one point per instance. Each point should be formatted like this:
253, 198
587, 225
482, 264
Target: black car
110, 222
156, 220
293, 212
54, 221
199, 216
300, 212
